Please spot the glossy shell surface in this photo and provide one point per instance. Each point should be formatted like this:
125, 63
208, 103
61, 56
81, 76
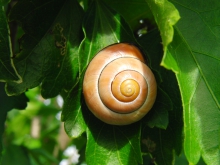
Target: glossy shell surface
118, 87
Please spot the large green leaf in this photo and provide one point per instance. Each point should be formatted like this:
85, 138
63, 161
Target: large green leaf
52, 33
7, 69
7, 103
165, 15
194, 57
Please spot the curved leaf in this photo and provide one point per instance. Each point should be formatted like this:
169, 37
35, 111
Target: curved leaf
165, 15
194, 57
72, 114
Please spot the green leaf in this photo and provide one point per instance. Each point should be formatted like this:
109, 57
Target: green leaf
7, 69
48, 48
67, 32
158, 115
165, 15
194, 57
7, 103
160, 144
115, 145
72, 113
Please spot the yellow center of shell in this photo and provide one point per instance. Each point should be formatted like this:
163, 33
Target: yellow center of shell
129, 88
125, 91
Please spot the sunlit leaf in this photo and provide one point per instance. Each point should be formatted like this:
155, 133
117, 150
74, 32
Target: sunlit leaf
194, 57
165, 15
113, 145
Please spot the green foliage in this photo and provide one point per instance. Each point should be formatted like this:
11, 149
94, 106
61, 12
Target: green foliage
50, 38
61, 38
198, 80
160, 143
165, 15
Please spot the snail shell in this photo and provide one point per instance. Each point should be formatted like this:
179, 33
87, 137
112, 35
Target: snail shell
118, 87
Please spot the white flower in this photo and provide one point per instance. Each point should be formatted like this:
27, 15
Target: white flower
64, 162
72, 153
60, 101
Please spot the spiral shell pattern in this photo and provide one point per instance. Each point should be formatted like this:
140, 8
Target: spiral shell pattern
118, 87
